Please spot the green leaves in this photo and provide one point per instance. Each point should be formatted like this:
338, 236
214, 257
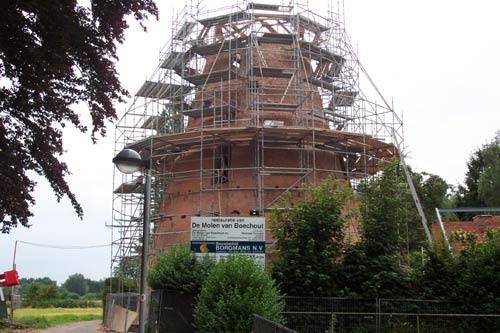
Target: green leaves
310, 237
235, 289
482, 180
54, 54
177, 269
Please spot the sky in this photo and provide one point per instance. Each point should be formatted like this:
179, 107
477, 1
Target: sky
438, 61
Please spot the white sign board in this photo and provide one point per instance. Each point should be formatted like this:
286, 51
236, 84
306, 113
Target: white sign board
220, 236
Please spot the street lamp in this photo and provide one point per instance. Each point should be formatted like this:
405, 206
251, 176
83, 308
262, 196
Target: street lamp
129, 161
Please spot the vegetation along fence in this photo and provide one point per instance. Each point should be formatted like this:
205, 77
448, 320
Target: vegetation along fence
324, 314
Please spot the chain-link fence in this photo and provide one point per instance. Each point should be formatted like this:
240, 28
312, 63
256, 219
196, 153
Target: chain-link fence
171, 311
263, 325
121, 310
325, 314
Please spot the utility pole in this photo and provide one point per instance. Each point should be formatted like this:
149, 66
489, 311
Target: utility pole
13, 288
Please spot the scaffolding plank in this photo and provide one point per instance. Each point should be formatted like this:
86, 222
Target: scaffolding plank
321, 83
311, 25
212, 49
184, 31
276, 38
263, 6
225, 19
214, 76
212, 111
343, 98
130, 188
281, 72
162, 90
337, 114
317, 53
325, 116
153, 122
175, 60
277, 107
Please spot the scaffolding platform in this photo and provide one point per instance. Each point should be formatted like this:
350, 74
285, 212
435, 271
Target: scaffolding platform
277, 38
311, 25
351, 142
225, 19
269, 7
264, 106
343, 98
320, 83
161, 90
272, 72
215, 48
131, 187
319, 54
224, 110
211, 77
175, 60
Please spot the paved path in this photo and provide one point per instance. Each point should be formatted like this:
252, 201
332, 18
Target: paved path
80, 327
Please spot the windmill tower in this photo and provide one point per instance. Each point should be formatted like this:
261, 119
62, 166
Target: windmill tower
248, 103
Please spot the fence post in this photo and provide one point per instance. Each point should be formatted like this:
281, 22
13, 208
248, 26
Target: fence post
377, 309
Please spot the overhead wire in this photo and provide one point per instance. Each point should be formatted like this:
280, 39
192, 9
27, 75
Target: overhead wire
74, 247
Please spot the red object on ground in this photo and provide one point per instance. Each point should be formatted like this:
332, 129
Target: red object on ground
9, 279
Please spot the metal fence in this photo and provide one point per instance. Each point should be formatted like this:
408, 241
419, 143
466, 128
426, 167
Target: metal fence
171, 311
127, 303
324, 314
263, 325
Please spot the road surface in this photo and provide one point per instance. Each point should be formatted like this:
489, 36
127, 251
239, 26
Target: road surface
91, 326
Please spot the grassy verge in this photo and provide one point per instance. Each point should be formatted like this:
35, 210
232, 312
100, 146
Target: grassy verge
43, 318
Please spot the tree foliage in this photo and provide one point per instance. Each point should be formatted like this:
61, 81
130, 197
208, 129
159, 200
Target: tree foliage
433, 192
54, 54
482, 180
478, 280
41, 292
387, 212
76, 283
235, 289
177, 269
310, 237
24, 283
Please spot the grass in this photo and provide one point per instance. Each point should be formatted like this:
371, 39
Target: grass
43, 318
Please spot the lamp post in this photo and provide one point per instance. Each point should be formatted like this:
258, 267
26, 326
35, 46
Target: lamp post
129, 161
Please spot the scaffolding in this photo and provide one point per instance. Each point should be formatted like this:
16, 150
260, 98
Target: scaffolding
248, 102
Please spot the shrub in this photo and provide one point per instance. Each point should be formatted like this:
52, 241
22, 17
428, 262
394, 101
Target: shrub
178, 270
62, 303
234, 290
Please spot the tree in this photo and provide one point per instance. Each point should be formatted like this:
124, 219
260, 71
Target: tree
478, 284
489, 181
433, 193
41, 292
388, 215
54, 54
482, 179
24, 283
374, 267
310, 238
76, 283
94, 286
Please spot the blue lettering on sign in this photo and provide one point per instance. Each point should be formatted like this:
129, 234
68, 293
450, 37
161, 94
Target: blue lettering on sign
227, 247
